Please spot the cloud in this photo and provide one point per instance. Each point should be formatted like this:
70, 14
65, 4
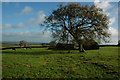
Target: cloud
96, 1
104, 5
28, 36
39, 19
26, 10
114, 35
112, 20
6, 26
20, 25
113, 31
111, 11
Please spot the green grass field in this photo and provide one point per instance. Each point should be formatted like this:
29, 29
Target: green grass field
44, 63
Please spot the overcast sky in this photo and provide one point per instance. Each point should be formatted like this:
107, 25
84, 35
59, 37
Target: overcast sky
20, 20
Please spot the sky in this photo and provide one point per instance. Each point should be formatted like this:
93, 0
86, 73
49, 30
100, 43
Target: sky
21, 20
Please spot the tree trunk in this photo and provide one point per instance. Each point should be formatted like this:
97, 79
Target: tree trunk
81, 49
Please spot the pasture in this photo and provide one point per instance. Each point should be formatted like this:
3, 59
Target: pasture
45, 63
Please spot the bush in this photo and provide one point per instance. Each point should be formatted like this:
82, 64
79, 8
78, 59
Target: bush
52, 45
61, 46
118, 44
90, 45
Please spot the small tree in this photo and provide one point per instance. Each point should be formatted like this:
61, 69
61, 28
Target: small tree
22, 43
78, 23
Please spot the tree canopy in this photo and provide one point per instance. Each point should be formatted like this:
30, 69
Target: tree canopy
22, 43
78, 22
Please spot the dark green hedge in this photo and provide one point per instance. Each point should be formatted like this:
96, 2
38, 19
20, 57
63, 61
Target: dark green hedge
90, 45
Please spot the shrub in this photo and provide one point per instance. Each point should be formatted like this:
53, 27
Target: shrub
90, 45
52, 44
61, 46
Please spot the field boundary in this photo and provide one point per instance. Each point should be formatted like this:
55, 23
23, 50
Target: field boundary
23, 47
